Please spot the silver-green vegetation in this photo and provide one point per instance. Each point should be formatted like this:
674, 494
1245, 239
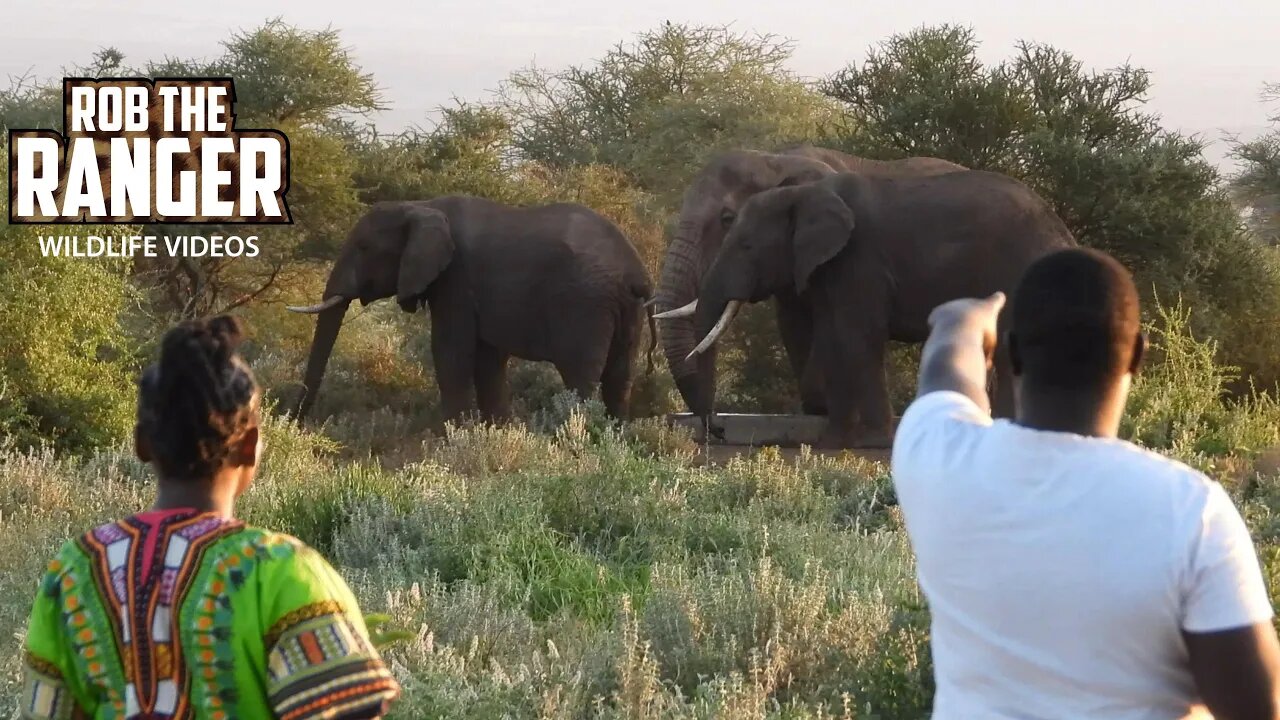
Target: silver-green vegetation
565, 568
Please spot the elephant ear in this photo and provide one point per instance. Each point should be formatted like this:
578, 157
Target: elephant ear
428, 250
823, 224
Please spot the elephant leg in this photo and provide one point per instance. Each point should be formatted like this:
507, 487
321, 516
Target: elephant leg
581, 381
456, 377
453, 350
491, 384
584, 351
857, 391
875, 412
813, 397
619, 366
795, 326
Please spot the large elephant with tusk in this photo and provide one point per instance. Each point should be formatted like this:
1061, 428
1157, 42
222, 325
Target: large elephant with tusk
872, 256
710, 206
556, 283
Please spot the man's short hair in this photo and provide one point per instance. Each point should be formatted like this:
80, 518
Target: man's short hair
1075, 321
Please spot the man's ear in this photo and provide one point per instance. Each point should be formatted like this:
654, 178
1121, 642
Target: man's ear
245, 453
1139, 353
141, 446
1015, 355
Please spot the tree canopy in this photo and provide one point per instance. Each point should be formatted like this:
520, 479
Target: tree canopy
658, 107
1257, 187
1083, 139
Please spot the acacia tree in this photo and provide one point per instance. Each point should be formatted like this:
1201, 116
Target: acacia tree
306, 84
1257, 186
469, 151
1081, 138
32, 104
657, 107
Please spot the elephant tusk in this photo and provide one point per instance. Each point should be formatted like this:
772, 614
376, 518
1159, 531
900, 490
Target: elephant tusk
684, 311
312, 309
726, 317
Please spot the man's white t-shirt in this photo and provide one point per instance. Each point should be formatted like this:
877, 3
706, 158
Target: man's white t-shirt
1060, 569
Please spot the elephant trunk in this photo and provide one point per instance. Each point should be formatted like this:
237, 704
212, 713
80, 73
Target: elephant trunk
705, 400
678, 286
327, 326
712, 317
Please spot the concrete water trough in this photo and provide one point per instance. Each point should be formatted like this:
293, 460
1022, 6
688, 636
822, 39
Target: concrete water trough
759, 430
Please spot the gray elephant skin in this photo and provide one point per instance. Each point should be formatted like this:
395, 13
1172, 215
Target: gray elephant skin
556, 283
873, 256
709, 207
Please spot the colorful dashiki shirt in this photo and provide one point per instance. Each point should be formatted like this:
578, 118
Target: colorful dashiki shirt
178, 614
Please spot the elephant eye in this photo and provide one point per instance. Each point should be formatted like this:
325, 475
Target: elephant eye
726, 218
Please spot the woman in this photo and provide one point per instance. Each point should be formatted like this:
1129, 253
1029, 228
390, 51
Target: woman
182, 610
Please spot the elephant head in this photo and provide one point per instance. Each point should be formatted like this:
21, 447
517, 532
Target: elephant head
780, 238
710, 206
396, 249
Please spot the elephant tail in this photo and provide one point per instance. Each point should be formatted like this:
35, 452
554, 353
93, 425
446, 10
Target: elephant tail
653, 334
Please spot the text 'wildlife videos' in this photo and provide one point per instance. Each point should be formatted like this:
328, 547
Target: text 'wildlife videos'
110, 246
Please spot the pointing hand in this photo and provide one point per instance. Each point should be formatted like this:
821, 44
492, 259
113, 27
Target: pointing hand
969, 317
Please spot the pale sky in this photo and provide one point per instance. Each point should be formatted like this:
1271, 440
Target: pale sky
1209, 59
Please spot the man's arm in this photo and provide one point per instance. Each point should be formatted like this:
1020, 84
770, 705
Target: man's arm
1227, 613
1237, 671
955, 358
952, 361
958, 352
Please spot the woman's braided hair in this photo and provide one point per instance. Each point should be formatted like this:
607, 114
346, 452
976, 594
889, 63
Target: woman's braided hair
199, 399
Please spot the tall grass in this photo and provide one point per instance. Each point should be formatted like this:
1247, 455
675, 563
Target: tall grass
574, 569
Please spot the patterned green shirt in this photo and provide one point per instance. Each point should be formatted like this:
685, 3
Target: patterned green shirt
190, 615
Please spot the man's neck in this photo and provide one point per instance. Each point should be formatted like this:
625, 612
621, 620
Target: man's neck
1084, 414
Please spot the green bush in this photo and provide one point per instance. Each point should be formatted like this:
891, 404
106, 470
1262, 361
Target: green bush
66, 361
1180, 402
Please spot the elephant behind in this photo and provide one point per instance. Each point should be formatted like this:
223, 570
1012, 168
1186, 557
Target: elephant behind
710, 205
556, 283
872, 256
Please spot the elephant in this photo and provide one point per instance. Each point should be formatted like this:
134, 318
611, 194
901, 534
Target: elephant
709, 207
872, 256
556, 283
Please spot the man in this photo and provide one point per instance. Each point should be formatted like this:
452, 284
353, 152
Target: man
1069, 573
